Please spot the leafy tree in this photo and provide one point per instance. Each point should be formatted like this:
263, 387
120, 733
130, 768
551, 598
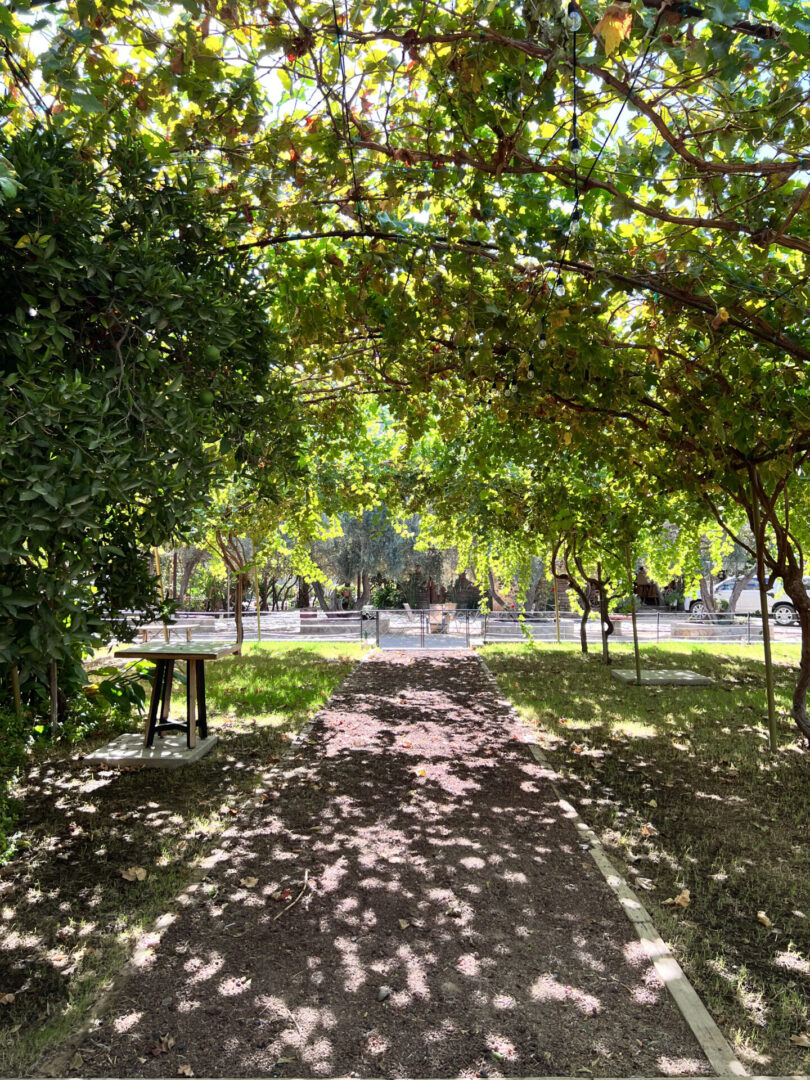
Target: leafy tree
132, 348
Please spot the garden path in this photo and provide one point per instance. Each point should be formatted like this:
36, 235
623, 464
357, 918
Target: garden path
408, 900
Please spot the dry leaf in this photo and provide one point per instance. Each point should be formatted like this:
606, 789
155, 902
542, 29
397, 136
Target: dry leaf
720, 318
801, 1040
77, 1061
652, 802
645, 883
682, 900
6, 999
185, 1069
162, 1046
404, 924
614, 26
654, 356
249, 882
763, 918
134, 873
649, 830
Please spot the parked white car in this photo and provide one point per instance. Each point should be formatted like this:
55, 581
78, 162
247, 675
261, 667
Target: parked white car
779, 604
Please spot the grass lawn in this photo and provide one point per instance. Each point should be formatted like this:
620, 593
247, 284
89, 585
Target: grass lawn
68, 919
680, 785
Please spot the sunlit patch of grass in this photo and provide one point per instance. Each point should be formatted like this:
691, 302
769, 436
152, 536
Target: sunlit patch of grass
729, 820
69, 919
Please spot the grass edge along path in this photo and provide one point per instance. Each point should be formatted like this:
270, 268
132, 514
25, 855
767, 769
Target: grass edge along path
59, 962
679, 787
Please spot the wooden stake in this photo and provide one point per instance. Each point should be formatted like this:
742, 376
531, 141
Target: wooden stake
15, 691
633, 613
556, 593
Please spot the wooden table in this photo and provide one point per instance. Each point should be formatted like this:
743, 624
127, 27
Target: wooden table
164, 655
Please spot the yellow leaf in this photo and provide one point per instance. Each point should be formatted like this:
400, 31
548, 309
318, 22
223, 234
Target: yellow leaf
6, 999
559, 318
249, 882
720, 318
184, 1069
801, 1040
682, 900
404, 924
763, 918
134, 873
614, 26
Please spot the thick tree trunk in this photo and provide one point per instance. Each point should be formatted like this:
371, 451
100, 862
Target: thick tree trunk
737, 591
494, 594
794, 587
320, 596
364, 591
189, 566
303, 593
706, 596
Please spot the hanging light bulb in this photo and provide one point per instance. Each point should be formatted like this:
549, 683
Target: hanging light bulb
559, 286
574, 19
543, 342
575, 220
574, 151
530, 373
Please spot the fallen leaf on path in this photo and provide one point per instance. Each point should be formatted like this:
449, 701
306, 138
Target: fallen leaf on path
404, 924
249, 882
763, 918
77, 1061
682, 900
134, 873
6, 999
801, 1040
185, 1069
645, 883
162, 1046
649, 830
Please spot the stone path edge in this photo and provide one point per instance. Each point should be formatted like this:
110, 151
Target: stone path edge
708, 1035
56, 1063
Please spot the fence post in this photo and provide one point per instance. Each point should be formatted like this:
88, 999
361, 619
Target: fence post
657, 626
360, 616
377, 626
749, 628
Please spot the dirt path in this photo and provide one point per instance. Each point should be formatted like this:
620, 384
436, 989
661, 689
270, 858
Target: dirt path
450, 924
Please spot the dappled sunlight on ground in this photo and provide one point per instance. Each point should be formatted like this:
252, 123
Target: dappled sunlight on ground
409, 901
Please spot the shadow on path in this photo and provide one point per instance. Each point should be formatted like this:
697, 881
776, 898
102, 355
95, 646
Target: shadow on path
450, 924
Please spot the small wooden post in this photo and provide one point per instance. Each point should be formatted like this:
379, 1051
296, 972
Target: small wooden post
631, 582
555, 585
15, 691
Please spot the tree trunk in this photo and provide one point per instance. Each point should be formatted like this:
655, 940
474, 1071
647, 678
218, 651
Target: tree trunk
364, 591
237, 606
320, 595
494, 594
794, 587
706, 596
189, 566
303, 593
604, 616
737, 591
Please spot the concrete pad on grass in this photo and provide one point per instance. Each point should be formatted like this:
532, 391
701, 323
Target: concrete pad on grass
661, 677
169, 752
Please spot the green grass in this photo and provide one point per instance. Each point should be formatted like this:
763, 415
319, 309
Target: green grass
68, 920
730, 822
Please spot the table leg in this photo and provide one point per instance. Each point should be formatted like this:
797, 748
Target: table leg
155, 702
167, 691
202, 711
191, 703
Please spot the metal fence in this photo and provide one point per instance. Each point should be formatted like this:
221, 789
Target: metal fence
449, 628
